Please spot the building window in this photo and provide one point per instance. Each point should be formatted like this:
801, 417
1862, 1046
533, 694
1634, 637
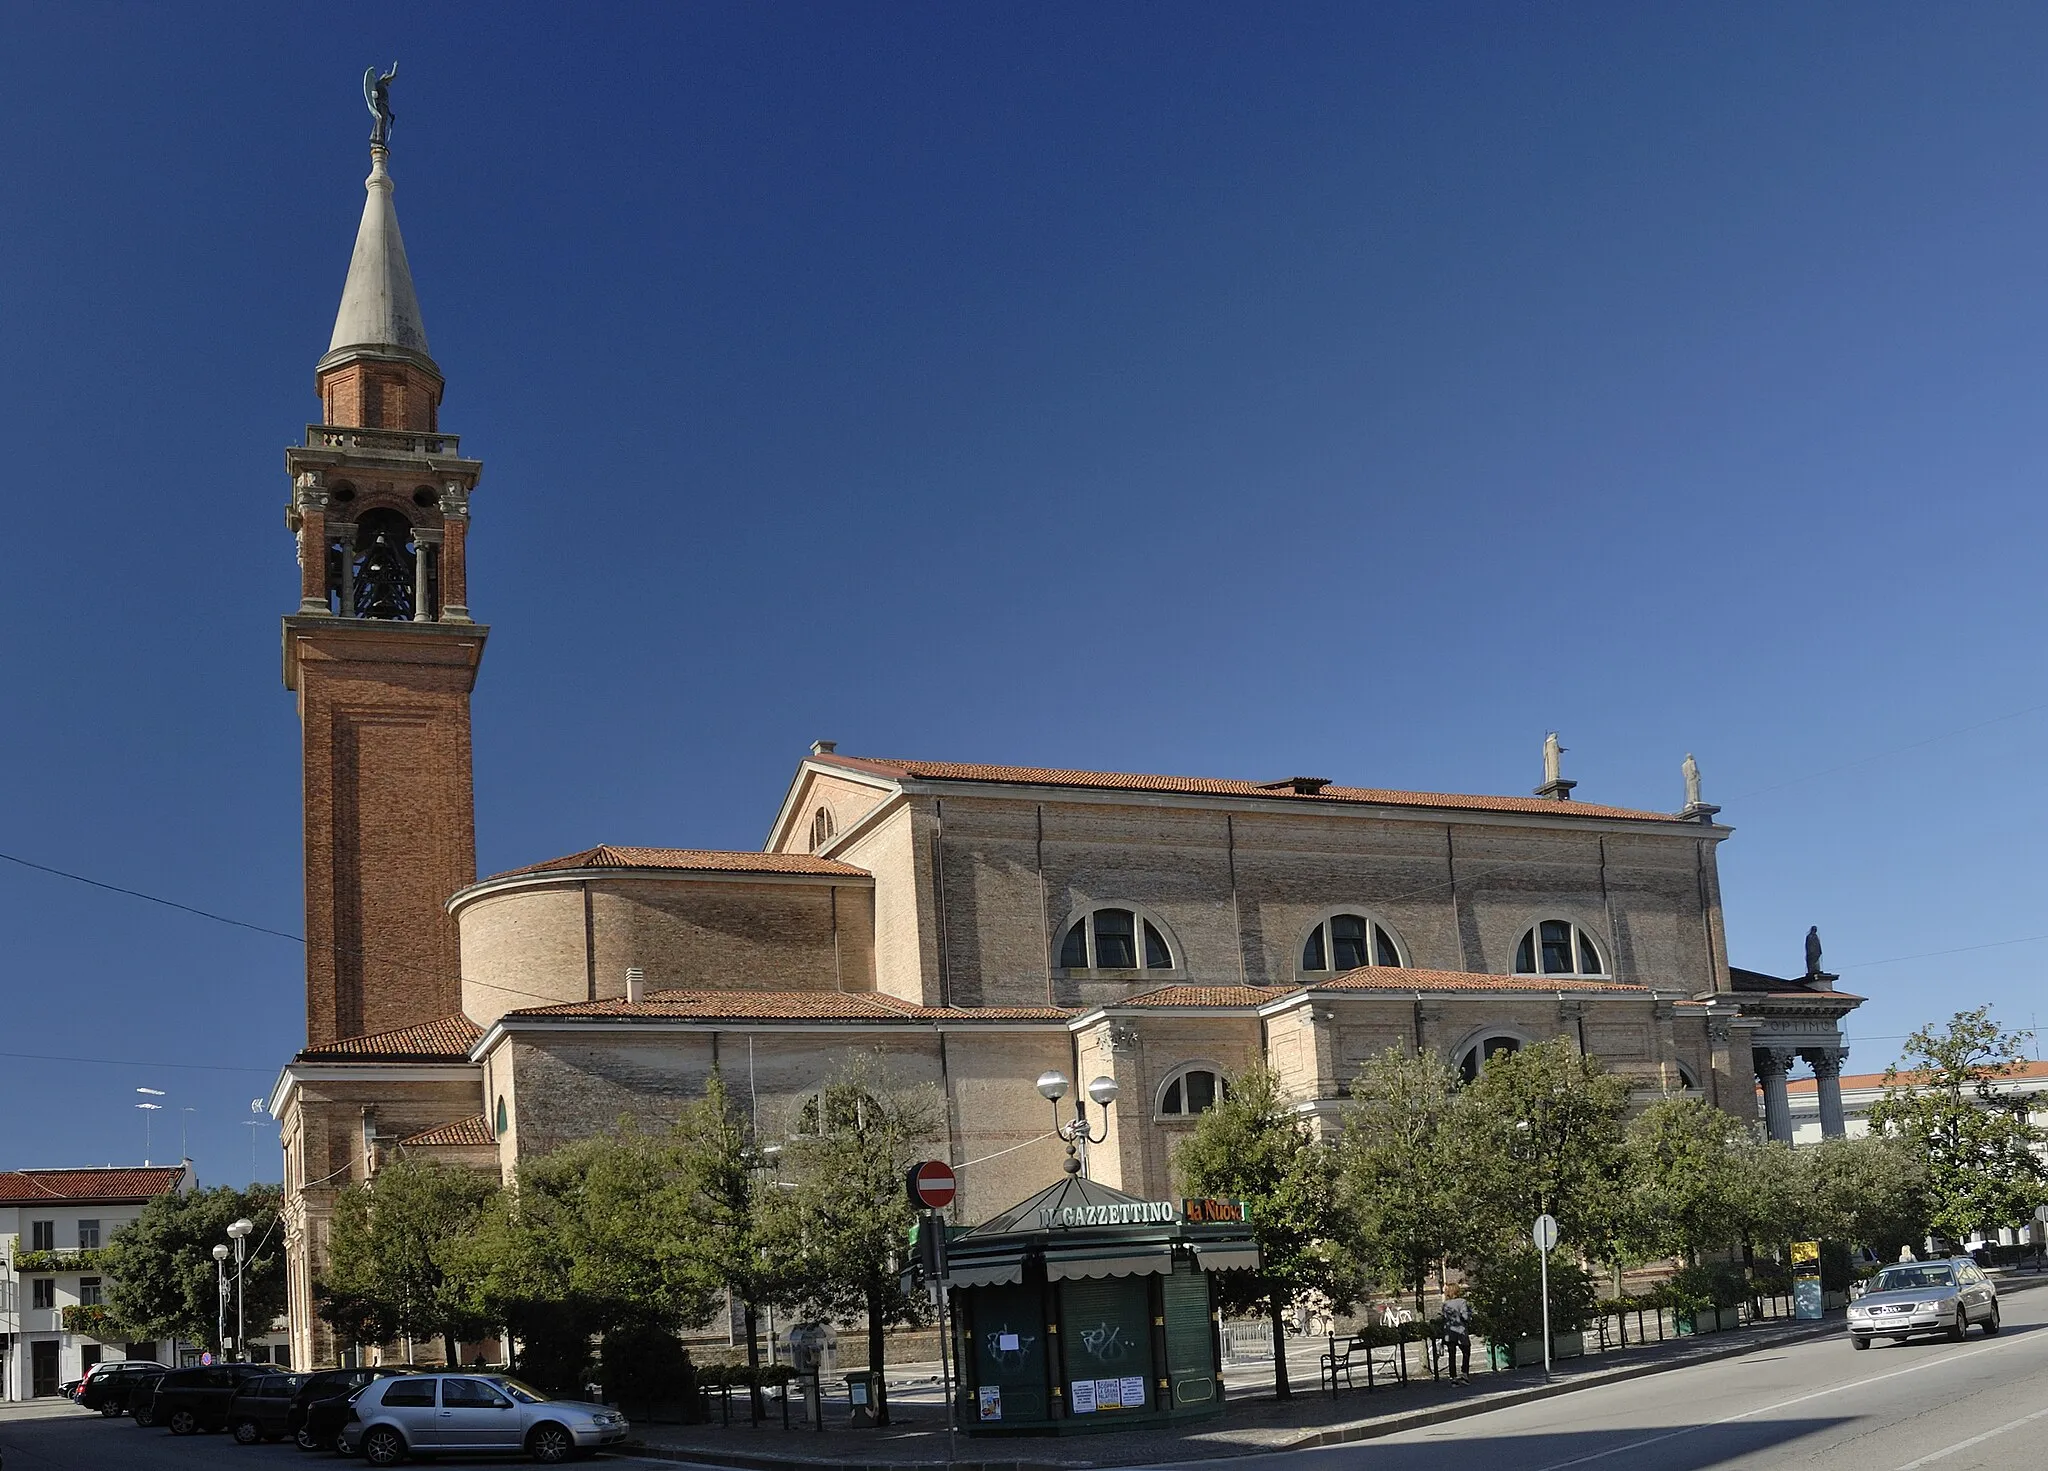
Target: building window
1558, 947
1346, 942
1109, 939
89, 1235
43, 1292
42, 1235
1480, 1053
1190, 1090
1685, 1077
89, 1292
821, 829
503, 1117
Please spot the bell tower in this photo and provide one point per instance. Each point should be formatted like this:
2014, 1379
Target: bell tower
382, 652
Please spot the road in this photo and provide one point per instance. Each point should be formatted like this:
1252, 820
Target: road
1920, 1406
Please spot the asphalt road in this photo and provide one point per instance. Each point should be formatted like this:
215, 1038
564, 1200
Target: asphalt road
1919, 1406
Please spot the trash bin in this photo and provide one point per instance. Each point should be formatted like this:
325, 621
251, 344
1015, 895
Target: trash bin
860, 1394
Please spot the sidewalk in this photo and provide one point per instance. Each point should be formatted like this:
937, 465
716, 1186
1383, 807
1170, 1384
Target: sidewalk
1253, 1422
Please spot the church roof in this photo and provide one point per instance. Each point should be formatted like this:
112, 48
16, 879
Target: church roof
473, 1130
445, 1039
1293, 790
704, 860
740, 1005
379, 308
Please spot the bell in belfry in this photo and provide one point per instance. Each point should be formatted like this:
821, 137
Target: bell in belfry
384, 580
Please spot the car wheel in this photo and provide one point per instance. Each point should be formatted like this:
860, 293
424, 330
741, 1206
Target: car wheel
1960, 1327
550, 1444
110, 1410
1991, 1323
247, 1432
144, 1417
1859, 1344
383, 1446
305, 1440
182, 1422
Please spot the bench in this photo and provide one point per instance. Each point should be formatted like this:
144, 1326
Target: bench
1345, 1356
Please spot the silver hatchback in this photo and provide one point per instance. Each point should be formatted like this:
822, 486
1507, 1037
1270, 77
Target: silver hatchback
428, 1414
1944, 1296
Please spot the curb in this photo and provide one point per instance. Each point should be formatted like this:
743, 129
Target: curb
1335, 1435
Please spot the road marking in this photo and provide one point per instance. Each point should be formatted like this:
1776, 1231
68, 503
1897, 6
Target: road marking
1963, 1445
1784, 1404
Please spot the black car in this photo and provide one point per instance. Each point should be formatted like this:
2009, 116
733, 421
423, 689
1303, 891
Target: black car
327, 1392
107, 1391
190, 1400
142, 1396
261, 1406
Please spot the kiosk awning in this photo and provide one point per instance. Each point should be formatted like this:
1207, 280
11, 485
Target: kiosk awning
1108, 1259
1228, 1256
986, 1274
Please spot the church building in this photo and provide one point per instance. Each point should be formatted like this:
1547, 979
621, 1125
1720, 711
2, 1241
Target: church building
970, 926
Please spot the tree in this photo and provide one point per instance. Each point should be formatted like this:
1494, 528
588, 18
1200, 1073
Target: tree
1977, 1143
390, 1247
723, 1169
1867, 1192
1402, 1190
835, 1237
165, 1281
1540, 1130
1683, 1178
1253, 1147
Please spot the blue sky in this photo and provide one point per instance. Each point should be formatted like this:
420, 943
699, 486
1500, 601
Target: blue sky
1362, 390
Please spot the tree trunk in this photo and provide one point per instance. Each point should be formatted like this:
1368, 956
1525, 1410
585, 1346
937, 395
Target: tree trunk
1277, 1304
876, 1350
753, 1361
452, 1349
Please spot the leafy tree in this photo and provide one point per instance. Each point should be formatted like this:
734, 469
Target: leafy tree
1867, 1192
1507, 1295
1403, 1190
390, 1246
1253, 1147
1977, 1143
1540, 1130
1684, 1180
164, 1276
723, 1169
836, 1236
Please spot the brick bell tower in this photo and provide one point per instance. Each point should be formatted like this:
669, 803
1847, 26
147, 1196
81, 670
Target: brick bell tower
382, 653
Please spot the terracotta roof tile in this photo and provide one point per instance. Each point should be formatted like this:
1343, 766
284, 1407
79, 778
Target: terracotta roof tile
2032, 1071
1177, 996
447, 1039
738, 1005
475, 1130
700, 860
32, 1187
1201, 786
1391, 978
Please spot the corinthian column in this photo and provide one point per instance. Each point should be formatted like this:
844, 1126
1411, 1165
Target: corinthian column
1772, 1063
1827, 1075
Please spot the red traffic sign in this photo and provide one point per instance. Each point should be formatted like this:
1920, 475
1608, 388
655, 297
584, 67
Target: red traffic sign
932, 1184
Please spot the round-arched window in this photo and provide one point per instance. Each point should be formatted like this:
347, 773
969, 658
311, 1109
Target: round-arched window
1485, 1050
1192, 1089
1115, 939
1346, 942
1557, 947
821, 828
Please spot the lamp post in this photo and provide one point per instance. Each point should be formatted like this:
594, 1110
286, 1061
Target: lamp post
240, 1231
1052, 1086
220, 1273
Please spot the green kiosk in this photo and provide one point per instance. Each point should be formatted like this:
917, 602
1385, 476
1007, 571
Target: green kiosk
1087, 1309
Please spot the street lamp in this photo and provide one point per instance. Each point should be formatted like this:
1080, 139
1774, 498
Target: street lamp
1052, 1086
220, 1272
240, 1231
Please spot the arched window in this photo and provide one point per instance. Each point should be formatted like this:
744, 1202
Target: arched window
1685, 1076
821, 829
503, 1117
1191, 1089
1115, 939
1484, 1050
1557, 947
1347, 941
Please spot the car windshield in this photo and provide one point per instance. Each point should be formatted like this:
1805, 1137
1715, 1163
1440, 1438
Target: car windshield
1913, 1279
526, 1394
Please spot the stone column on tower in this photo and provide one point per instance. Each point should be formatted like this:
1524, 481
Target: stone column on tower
1827, 1076
1772, 1064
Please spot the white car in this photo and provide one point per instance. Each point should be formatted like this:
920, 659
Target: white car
427, 1414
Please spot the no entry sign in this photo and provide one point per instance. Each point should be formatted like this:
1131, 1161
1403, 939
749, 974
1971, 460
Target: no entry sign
932, 1185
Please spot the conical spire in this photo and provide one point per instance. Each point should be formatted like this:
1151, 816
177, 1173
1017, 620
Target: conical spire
379, 309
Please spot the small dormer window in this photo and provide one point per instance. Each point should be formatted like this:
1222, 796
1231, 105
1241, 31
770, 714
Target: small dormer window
821, 829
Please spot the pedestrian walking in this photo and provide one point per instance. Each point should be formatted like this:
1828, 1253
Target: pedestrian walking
1458, 1334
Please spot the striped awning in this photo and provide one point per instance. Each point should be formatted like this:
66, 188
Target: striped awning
1107, 1259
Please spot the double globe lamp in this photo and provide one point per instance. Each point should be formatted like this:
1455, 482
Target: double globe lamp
1052, 1086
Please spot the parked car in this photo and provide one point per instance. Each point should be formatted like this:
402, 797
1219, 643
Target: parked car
320, 1407
107, 1390
142, 1397
190, 1400
427, 1414
1906, 1298
261, 1406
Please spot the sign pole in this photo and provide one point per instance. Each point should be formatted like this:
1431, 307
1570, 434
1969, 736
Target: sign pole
1544, 1234
1545, 1258
936, 1223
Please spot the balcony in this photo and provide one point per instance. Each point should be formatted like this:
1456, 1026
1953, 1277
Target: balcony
382, 441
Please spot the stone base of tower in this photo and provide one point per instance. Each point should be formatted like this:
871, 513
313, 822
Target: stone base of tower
389, 813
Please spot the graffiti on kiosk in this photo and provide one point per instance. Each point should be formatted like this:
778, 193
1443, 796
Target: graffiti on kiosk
1011, 1350
1105, 1344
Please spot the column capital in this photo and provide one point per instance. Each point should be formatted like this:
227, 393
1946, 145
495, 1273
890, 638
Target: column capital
1773, 1061
1825, 1061
455, 499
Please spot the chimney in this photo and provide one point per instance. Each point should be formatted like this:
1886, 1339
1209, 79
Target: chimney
823, 748
636, 985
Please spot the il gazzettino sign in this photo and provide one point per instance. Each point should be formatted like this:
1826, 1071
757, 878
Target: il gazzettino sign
1142, 1213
